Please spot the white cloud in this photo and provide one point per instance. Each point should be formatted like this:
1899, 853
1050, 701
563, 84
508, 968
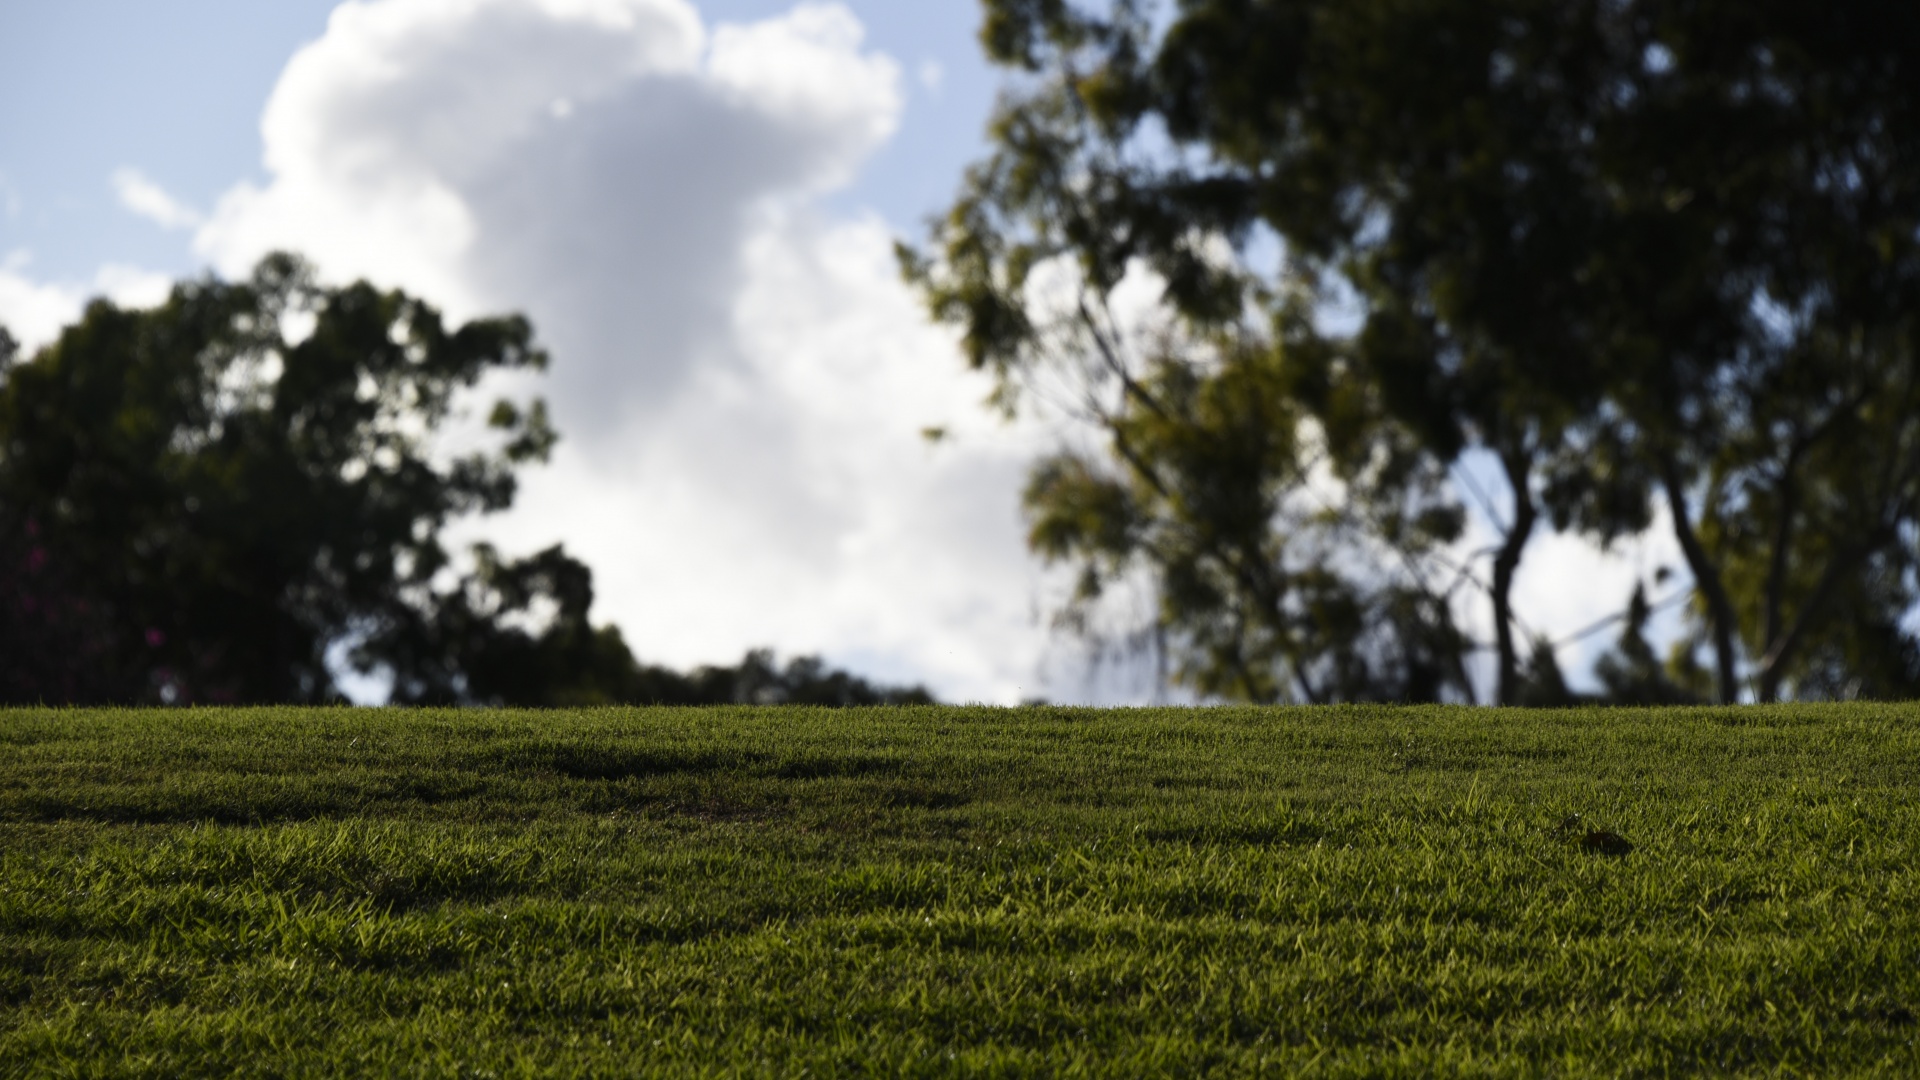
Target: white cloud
34, 311
419, 144
131, 286
149, 200
741, 383
1565, 584
789, 499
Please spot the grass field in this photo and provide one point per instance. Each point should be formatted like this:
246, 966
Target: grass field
974, 891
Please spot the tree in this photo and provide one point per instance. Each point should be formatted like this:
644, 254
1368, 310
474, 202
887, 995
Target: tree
52, 641
473, 644
199, 502
1257, 591
234, 501
1643, 252
1290, 517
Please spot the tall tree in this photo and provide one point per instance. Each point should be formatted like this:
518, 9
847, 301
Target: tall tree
1242, 473
201, 502
233, 500
53, 642
1648, 253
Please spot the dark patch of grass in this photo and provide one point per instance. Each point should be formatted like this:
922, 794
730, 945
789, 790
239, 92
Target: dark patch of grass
825, 768
613, 761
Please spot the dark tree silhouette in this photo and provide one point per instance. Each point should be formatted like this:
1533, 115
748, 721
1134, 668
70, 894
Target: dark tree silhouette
1656, 258
197, 505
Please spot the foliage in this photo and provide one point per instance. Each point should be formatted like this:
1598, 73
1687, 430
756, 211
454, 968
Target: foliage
1245, 476
1212, 464
483, 643
1633, 674
235, 500
1644, 254
198, 502
52, 638
1364, 891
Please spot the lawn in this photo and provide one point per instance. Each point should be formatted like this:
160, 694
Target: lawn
960, 891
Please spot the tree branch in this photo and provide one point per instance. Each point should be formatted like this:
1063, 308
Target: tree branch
1707, 576
1782, 540
1111, 358
1773, 665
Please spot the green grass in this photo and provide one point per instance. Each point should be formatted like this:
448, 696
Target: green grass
977, 891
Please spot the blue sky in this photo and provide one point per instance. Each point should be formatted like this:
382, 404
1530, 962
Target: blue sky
175, 89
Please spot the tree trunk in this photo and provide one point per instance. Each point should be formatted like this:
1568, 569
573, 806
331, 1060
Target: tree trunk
1780, 650
1706, 577
1505, 563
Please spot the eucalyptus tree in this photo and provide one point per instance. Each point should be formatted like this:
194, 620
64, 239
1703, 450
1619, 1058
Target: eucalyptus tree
1652, 255
1281, 511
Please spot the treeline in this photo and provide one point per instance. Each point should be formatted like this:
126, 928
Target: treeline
1315, 273
197, 506
1308, 271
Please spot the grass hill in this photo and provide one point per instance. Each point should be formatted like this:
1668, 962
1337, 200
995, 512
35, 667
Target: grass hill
929, 891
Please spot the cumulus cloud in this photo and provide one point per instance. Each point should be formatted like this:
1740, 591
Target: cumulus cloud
35, 311
597, 164
741, 382
789, 498
151, 201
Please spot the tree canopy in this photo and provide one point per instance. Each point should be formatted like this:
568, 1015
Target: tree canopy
219, 499
1656, 259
